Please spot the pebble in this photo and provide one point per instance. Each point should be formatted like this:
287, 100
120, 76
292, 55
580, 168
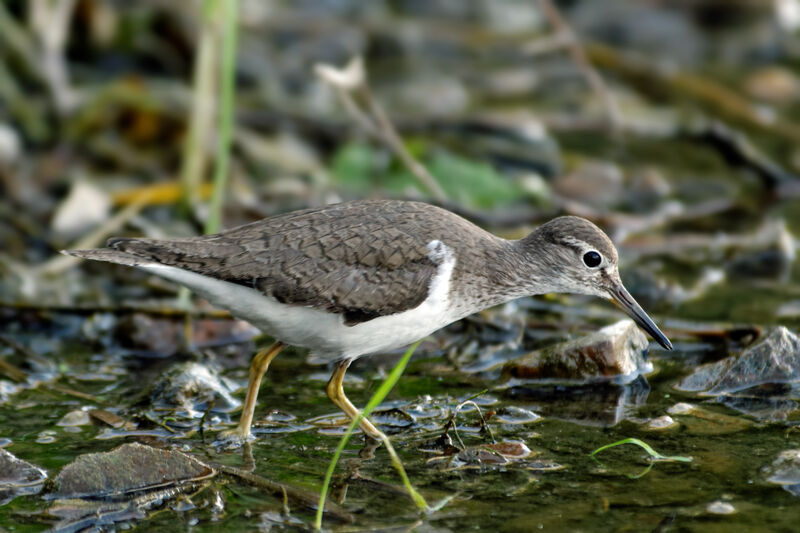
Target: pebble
719, 507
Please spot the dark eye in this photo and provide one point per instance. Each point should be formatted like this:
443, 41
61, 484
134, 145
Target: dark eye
592, 259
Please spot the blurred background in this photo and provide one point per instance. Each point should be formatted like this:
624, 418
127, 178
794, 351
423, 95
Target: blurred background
673, 125
664, 122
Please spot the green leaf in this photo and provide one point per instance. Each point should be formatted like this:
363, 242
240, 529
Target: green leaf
472, 182
354, 166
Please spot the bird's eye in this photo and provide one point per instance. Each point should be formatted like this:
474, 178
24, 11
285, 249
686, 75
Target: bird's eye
592, 259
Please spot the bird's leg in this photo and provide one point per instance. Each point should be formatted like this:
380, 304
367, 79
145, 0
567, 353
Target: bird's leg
337, 396
258, 367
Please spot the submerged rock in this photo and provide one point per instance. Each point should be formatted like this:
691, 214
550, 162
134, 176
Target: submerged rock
774, 359
18, 477
512, 414
785, 471
614, 352
125, 470
661, 423
698, 420
74, 419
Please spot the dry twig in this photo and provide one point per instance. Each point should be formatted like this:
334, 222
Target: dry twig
351, 83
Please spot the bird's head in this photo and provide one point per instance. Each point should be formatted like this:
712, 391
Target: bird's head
579, 258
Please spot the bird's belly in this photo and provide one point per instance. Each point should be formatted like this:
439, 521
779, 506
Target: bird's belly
325, 334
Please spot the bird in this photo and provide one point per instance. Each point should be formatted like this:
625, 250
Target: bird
356, 278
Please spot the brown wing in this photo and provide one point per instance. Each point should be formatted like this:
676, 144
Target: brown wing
359, 259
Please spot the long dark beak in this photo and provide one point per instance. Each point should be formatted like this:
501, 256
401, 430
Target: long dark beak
622, 298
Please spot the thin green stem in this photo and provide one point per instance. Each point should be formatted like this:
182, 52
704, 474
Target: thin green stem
230, 18
373, 402
195, 154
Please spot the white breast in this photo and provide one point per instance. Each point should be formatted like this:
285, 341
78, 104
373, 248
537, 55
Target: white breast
325, 334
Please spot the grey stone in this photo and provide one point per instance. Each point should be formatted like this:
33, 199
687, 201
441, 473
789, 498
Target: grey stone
125, 470
785, 471
18, 477
615, 352
774, 359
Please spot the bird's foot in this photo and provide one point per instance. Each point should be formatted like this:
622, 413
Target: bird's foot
237, 436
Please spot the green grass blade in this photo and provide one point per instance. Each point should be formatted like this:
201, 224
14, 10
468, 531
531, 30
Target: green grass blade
230, 17
193, 155
201, 118
373, 402
647, 448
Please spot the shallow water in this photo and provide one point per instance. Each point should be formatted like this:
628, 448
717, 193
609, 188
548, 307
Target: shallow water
557, 487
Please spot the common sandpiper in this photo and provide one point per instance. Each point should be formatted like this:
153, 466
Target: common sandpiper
364, 277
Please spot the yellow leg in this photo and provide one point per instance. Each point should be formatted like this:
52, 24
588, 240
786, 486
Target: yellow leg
337, 396
258, 368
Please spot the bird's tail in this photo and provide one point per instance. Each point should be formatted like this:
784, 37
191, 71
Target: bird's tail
110, 255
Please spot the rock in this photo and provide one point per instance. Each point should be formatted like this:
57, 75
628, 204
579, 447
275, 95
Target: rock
661, 423
761, 264
111, 419
126, 470
719, 507
681, 408
18, 477
512, 18
98, 489
515, 415
615, 352
785, 471
452, 96
191, 387
650, 28
768, 253
774, 359
697, 420
595, 183
647, 189
74, 419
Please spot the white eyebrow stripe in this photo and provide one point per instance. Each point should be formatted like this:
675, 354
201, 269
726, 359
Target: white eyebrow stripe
567, 239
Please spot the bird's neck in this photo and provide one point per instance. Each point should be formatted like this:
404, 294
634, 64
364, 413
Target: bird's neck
502, 273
